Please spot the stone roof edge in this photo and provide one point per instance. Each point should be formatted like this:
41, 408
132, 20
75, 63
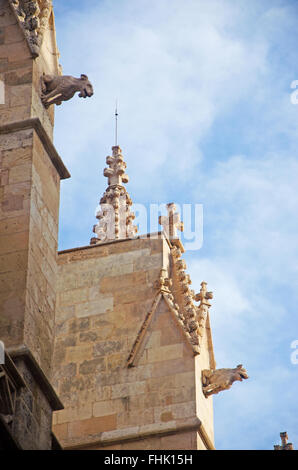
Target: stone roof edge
109, 242
140, 432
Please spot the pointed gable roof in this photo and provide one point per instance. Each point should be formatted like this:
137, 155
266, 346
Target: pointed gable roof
165, 294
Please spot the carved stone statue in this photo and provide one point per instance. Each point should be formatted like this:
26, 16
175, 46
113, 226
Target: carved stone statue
215, 381
55, 88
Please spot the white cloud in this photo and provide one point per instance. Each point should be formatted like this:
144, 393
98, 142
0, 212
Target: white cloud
252, 228
181, 70
173, 70
253, 203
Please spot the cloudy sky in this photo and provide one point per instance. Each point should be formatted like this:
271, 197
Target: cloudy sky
205, 117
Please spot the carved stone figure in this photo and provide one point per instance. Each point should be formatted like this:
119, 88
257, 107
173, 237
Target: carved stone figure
215, 381
55, 88
28, 13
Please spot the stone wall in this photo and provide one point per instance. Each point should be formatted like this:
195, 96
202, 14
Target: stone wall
15, 193
39, 325
30, 173
104, 293
28, 243
29, 199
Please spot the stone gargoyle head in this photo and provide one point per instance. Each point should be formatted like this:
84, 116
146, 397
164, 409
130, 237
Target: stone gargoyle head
57, 88
86, 87
214, 381
239, 373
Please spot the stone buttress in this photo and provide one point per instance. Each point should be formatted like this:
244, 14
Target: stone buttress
31, 170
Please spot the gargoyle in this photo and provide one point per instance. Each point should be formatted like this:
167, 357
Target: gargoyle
55, 88
215, 381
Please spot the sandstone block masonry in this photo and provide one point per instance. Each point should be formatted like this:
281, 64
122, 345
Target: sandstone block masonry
28, 243
29, 196
30, 173
104, 293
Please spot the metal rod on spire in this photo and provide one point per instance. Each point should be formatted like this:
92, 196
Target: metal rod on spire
116, 123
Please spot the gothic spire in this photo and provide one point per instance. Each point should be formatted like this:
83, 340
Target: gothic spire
115, 217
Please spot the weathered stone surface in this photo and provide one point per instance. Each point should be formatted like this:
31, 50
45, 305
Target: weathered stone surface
93, 366
19, 77
73, 414
95, 426
160, 390
29, 203
30, 418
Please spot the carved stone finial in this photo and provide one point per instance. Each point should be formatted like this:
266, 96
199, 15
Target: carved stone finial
116, 172
214, 381
285, 445
171, 223
55, 88
203, 297
115, 217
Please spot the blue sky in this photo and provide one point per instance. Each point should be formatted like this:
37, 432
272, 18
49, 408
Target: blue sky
205, 117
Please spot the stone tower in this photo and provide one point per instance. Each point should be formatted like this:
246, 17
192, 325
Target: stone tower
31, 170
